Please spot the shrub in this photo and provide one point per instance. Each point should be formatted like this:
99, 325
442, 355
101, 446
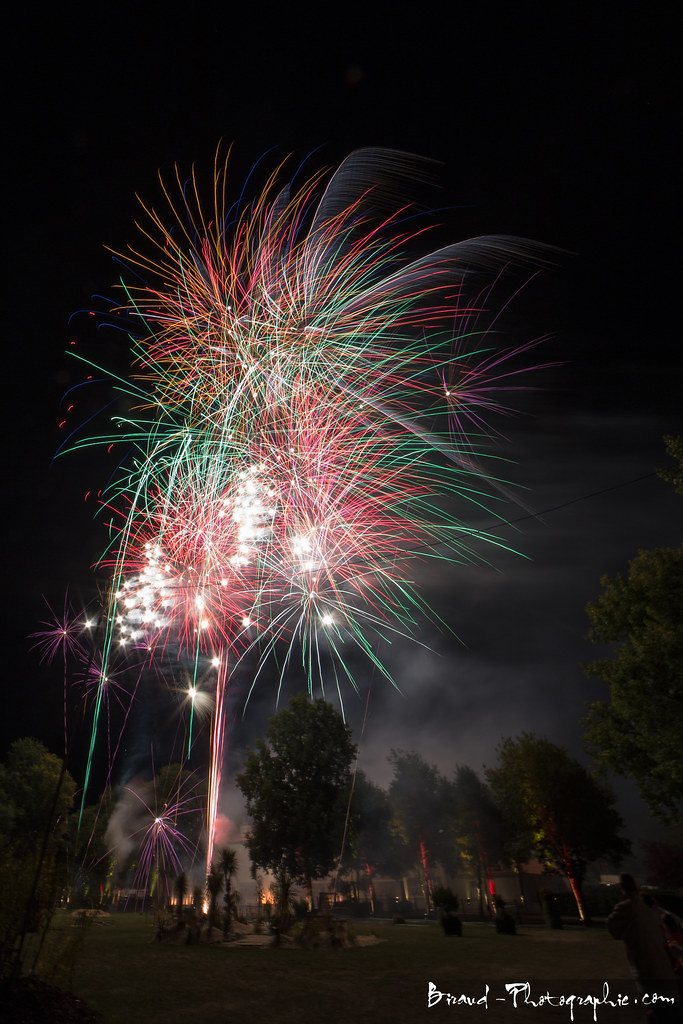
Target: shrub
445, 899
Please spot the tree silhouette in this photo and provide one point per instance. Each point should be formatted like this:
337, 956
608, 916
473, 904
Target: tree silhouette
555, 809
296, 783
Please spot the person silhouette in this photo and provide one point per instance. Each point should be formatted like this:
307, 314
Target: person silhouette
640, 928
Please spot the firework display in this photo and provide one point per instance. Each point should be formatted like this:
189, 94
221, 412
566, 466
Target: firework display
306, 421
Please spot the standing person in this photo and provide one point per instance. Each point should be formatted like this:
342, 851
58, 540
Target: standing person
673, 936
640, 927
674, 943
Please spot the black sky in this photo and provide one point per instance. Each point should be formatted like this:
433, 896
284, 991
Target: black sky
550, 122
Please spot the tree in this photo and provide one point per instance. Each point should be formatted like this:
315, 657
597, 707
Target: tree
214, 884
181, 887
374, 845
33, 786
36, 795
637, 731
283, 898
90, 861
673, 474
417, 793
663, 860
478, 828
296, 785
228, 866
555, 809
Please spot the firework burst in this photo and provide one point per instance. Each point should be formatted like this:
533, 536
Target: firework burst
155, 824
309, 401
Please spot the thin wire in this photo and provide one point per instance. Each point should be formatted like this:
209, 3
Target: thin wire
573, 501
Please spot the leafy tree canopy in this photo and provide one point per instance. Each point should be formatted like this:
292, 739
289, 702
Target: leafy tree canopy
555, 808
637, 731
36, 795
296, 784
478, 823
374, 843
32, 785
673, 474
663, 860
419, 796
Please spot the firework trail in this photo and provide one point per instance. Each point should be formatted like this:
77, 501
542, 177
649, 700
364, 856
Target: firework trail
216, 760
62, 633
309, 399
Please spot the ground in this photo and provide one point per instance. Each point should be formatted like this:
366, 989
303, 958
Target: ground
31, 1001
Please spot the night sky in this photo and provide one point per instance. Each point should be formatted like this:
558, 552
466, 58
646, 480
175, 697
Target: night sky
555, 122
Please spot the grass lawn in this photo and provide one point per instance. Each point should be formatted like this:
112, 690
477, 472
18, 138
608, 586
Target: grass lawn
131, 979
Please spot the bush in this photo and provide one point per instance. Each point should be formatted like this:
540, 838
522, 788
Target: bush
504, 922
323, 932
445, 899
552, 908
451, 923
